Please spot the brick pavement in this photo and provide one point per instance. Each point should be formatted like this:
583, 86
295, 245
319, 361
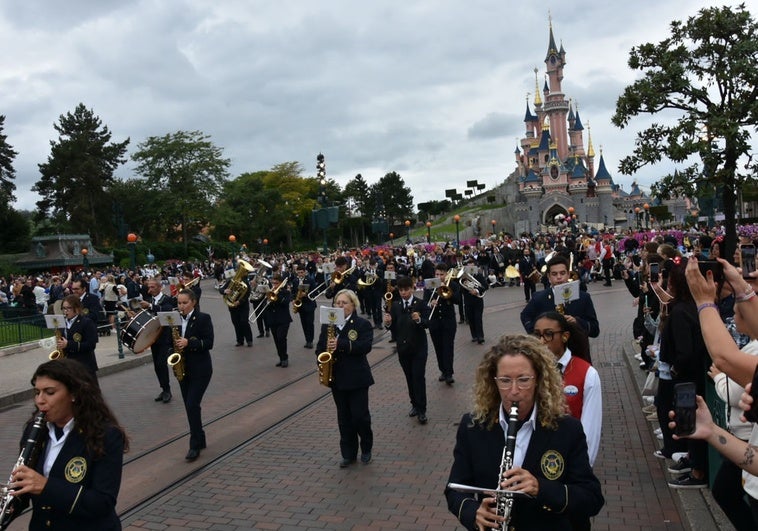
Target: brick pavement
288, 477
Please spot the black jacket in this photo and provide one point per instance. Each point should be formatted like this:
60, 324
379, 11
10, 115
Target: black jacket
351, 369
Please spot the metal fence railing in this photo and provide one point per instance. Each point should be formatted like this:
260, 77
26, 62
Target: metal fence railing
19, 325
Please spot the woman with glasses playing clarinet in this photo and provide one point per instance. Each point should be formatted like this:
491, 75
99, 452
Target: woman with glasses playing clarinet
550, 469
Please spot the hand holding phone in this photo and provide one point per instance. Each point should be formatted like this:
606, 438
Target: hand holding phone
654, 268
715, 267
747, 260
752, 414
685, 406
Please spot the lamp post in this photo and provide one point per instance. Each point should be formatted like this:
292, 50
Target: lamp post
637, 215
494, 222
85, 262
457, 220
131, 242
392, 239
647, 215
265, 245
321, 176
572, 218
428, 232
408, 231
232, 239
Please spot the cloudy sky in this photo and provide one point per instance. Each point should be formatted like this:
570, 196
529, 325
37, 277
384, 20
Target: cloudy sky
432, 89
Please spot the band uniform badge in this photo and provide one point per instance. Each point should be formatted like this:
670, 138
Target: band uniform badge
76, 469
552, 465
77, 337
352, 335
85, 311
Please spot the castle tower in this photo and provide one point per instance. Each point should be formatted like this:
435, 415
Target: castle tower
556, 106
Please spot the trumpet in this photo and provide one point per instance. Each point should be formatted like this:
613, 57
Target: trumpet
57, 354
189, 284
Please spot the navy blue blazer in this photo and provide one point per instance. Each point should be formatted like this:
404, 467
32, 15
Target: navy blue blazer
411, 336
82, 339
351, 369
581, 309
572, 490
81, 492
197, 353
91, 307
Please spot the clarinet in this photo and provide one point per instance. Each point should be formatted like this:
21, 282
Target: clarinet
505, 499
28, 454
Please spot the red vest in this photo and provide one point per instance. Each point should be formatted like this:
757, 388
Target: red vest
573, 385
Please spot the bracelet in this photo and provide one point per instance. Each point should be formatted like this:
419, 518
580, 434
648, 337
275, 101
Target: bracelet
744, 298
706, 305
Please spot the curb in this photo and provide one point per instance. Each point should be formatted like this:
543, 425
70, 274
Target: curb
698, 508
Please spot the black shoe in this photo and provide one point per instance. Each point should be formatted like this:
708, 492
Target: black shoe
279, 364
607, 284
249, 343
391, 341
688, 481
413, 412
441, 378
259, 335
268, 333
461, 321
422, 418
239, 344
474, 340
366, 458
308, 345
681, 467
285, 363
166, 397
481, 341
193, 454
449, 380
346, 462
159, 397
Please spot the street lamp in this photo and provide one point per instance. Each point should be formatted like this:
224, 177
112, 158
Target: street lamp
428, 232
637, 215
494, 222
408, 231
392, 239
85, 262
131, 242
232, 239
647, 215
265, 245
457, 220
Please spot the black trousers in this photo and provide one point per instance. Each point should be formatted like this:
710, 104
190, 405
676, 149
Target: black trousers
242, 331
279, 333
193, 388
442, 332
160, 365
729, 494
354, 421
414, 368
474, 311
306, 321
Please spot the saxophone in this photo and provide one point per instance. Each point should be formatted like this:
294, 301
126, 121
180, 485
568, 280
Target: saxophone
29, 456
175, 359
326, 360
298, 302
505, 499
57, 354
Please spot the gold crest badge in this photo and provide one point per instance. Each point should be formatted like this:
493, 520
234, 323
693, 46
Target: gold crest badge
77, 337
85, 311
76, 469
552, 465
352, 335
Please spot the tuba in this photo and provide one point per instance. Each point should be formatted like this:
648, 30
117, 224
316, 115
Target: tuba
237, 286
175, 359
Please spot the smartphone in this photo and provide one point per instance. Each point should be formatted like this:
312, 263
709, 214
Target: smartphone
654, 268
685, 406
752, 415
714, 266
747, 260
705, 253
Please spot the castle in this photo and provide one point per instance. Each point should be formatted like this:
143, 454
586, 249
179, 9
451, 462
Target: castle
556, 179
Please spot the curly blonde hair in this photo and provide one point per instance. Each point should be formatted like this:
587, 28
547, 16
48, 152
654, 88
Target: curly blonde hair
549, 397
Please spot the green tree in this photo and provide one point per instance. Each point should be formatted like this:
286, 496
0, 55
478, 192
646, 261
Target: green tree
357, 189
188, 171
77, 174
705, 75
7, 172
395, 196
14, 230
142, 208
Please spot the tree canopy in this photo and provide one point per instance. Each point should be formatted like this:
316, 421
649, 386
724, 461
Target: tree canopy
704, 76
7, 172
77, 173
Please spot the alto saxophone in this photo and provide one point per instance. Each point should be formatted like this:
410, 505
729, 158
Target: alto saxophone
29, 456
175, 359
57, 354
326, 360
505, 499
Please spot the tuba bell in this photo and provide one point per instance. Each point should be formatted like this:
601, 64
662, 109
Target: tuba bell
237, 286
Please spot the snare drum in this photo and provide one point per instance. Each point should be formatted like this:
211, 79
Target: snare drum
141, 332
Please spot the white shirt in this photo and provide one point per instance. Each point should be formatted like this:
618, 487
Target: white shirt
523, 436
592, 407
54, 445
185, 321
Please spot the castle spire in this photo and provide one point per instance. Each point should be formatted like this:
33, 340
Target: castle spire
537, 99
590, 149
552, 49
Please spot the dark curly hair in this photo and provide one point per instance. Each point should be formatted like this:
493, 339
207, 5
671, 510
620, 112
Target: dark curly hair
92, 416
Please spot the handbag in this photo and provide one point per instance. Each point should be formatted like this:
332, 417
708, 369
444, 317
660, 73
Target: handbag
651, 325
651, 385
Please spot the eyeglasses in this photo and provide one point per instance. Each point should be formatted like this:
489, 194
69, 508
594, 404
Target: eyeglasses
66, 308
522, 382
547, 335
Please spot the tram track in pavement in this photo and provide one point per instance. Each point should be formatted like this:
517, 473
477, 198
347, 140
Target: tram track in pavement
157, 471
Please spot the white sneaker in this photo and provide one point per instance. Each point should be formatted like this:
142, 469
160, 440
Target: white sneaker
659, 436
648, 400
657, 431
638, 357
676, 456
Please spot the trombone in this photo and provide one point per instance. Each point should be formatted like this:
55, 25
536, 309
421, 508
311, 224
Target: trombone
338, 278
271, 296
444, 291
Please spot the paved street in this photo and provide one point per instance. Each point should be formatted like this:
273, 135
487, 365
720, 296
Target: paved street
287, 477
